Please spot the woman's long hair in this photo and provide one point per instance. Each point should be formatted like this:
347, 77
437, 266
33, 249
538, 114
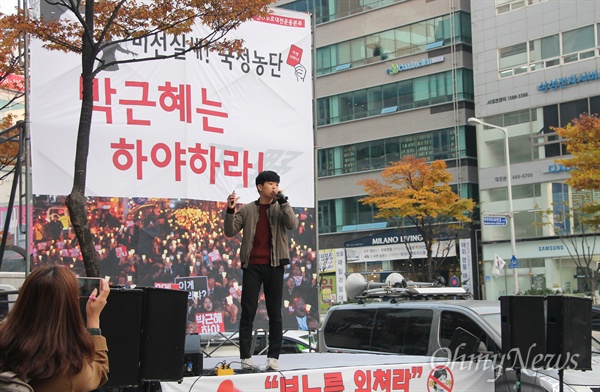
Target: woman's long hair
44, 335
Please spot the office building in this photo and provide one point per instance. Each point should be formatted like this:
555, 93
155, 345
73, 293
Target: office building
535, 67
392, 79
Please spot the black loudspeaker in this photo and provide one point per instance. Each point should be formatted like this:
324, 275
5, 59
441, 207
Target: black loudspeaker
121, 324
523, 327
163, 334
569, 332
194, 356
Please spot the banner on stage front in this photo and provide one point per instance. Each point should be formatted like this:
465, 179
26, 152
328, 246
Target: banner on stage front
414, 377
196, 126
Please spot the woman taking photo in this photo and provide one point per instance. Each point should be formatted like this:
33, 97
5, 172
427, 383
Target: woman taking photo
44, 340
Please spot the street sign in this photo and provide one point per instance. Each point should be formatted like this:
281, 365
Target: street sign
494, 220
514, 263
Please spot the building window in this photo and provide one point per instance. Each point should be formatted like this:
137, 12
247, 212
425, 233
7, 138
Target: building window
398, 42
578, 44
503, 6
403, 95
544, 52
550, 51
377, 154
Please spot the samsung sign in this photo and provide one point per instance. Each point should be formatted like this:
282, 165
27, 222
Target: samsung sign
397, 68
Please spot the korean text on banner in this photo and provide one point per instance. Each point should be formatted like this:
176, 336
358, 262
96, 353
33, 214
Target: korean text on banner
194, 126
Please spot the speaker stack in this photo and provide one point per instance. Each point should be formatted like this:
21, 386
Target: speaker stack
145, 333
546, 332
163, 335
569, 332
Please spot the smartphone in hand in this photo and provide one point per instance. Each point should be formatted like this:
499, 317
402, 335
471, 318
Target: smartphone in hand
87, 286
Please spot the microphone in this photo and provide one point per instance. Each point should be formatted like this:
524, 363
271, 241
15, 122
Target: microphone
281, 196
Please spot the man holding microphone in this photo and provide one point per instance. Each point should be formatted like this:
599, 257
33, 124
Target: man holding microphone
264, 252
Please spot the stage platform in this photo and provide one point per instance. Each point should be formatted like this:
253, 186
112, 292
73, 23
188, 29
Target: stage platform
339, 372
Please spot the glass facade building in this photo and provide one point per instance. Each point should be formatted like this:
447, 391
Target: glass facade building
392, 79
541, 76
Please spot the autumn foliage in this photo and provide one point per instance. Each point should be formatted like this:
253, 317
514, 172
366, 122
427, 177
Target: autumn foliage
418, 191
583, 142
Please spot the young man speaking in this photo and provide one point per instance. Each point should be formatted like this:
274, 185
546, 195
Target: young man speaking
263, 253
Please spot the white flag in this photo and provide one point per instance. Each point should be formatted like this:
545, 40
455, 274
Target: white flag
498, 264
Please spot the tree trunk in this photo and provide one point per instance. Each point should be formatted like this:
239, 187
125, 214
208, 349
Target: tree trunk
76, 201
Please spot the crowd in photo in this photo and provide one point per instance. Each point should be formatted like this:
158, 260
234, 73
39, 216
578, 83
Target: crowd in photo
152, 243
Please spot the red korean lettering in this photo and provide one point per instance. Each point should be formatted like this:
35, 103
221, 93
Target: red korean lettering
179, 162
144, 101
334, 382
122, 152
382, 380
177, 98
231, 162
290, 384
198, 160
141, 158
198, 156
208, 112
105, 103
306, 387
400, 380
362, 380
154, 153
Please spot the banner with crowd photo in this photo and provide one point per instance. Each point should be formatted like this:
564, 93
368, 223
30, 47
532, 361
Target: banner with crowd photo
170, 140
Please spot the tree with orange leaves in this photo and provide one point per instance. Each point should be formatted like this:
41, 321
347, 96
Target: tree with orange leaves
93, 26
582, 138
420, 192
12, 91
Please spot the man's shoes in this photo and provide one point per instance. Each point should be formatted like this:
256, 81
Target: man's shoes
248, 364
272, 364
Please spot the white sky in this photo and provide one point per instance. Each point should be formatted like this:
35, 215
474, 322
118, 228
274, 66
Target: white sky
8, 6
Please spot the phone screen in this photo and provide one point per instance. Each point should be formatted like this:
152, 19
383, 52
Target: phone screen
87, 285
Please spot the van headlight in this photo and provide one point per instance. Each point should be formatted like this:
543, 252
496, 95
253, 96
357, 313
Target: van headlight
551, 384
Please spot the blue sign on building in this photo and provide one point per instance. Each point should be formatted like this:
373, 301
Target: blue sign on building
494, 220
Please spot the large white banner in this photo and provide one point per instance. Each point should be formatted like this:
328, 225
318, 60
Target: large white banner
414, 377
197, 126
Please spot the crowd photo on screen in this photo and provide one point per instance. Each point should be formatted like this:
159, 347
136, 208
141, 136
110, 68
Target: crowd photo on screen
178, 244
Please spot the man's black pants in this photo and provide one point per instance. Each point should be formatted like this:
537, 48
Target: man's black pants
271, 278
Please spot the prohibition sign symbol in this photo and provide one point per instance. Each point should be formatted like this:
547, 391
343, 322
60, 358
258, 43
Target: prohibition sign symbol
454, 281
440, 379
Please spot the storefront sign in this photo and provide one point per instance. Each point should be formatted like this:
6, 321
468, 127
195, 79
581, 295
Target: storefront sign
397, 68
572, 80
